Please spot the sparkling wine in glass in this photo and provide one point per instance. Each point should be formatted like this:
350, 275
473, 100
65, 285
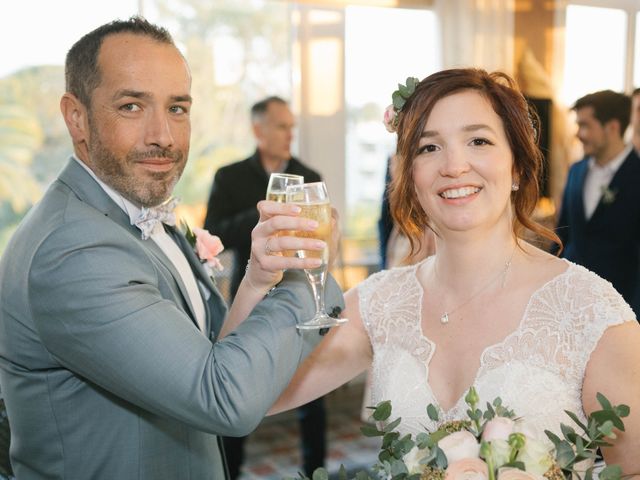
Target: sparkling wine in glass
313, 200
277, 192
278, 182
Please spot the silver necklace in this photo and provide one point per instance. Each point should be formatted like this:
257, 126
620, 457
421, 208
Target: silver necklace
444, 318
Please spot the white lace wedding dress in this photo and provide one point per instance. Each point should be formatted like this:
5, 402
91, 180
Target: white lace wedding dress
537, 370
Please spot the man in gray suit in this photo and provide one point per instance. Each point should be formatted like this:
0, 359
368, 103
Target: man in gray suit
114, 361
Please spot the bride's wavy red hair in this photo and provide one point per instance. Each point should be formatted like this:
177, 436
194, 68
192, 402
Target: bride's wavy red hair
520, 124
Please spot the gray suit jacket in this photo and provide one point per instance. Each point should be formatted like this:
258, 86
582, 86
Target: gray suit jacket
104, 372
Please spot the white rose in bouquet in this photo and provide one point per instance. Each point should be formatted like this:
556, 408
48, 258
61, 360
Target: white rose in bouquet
459, 445
536, 456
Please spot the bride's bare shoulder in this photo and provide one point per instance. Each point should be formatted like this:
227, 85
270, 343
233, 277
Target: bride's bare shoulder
543, 264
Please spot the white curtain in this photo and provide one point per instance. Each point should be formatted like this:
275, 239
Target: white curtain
477, 33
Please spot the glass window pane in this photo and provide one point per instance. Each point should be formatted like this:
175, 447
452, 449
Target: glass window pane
593, 61
383, 47
34, 143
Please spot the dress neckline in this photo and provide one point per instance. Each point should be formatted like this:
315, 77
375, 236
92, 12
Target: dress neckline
537, 292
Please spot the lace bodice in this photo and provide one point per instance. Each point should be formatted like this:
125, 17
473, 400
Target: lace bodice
537, 370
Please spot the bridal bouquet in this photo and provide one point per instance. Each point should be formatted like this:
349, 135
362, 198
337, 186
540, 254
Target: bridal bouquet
491, 444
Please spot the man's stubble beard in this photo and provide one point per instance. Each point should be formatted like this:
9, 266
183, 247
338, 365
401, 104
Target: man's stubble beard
152, 190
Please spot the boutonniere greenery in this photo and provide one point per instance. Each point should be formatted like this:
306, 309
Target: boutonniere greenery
608, 195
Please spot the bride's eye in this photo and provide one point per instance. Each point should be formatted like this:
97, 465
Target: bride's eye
427, 148
478, 142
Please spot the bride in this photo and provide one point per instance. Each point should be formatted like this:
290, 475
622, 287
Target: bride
489, 309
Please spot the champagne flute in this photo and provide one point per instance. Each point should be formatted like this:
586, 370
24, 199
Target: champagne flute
278, 182
277, 192
313, 200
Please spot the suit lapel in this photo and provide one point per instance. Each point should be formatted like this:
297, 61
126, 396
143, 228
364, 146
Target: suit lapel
211, 297
617, 183
90, 192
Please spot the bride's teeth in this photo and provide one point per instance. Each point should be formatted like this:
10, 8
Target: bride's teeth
459, 192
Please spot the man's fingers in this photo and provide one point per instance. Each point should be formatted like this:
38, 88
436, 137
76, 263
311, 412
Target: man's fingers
268, 208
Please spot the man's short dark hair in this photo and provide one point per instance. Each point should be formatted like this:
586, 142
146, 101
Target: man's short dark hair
635, 92
608, 105
260, 108
82, 74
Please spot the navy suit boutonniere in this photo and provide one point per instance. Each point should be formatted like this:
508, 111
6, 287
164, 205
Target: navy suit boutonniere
608, 195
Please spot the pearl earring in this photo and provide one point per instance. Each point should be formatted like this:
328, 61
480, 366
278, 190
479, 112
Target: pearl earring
515, 187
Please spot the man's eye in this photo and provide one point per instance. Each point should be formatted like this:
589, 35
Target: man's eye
130, 107
178, 109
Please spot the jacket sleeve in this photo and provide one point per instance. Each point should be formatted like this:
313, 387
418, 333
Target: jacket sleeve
223, 217
562, 226
102, 309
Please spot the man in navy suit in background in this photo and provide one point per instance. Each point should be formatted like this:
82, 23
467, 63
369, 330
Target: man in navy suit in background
599, 220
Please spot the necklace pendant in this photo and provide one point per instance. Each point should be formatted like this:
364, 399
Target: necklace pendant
444, 319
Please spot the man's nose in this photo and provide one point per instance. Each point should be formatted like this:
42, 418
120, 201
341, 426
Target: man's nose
159, 130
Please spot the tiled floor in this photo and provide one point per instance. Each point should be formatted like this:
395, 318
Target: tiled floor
272, 451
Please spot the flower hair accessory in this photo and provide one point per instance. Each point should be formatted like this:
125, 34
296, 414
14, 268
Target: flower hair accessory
399, 98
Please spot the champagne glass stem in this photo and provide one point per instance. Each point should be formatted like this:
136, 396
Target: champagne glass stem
317, 278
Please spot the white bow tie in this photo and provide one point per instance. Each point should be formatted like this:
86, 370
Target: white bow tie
150, 217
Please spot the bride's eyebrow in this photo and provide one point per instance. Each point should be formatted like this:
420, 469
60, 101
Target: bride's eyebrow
429, 134
477, 126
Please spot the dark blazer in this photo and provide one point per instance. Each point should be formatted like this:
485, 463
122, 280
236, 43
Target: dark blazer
232, 212
103, 369
608, 242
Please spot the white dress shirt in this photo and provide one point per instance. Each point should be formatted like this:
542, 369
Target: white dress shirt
166, 244
598, 179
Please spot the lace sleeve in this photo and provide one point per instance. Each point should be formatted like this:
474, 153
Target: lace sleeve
598, 306
366, 291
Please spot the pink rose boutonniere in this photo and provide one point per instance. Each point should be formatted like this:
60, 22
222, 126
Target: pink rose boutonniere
206, 246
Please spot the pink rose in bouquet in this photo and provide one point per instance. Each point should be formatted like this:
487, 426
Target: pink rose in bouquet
510, 473
467, 469
498, 428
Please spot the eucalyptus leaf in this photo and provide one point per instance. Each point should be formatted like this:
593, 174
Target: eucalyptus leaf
342, 473
391, 426
441, 459
371, 431
553, 437
398, 467
389, 438
320, 474
432, 411
568, 432
382, 411
622, 410
362, 476
611, 472
601, 416
398, 101
575, 418
564, 454
604, 401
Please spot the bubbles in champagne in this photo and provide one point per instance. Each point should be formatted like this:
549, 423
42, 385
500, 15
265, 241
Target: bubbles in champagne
280, 197
321, 213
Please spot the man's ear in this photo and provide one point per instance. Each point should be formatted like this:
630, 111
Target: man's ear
257, 129
75, 115
613, 128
